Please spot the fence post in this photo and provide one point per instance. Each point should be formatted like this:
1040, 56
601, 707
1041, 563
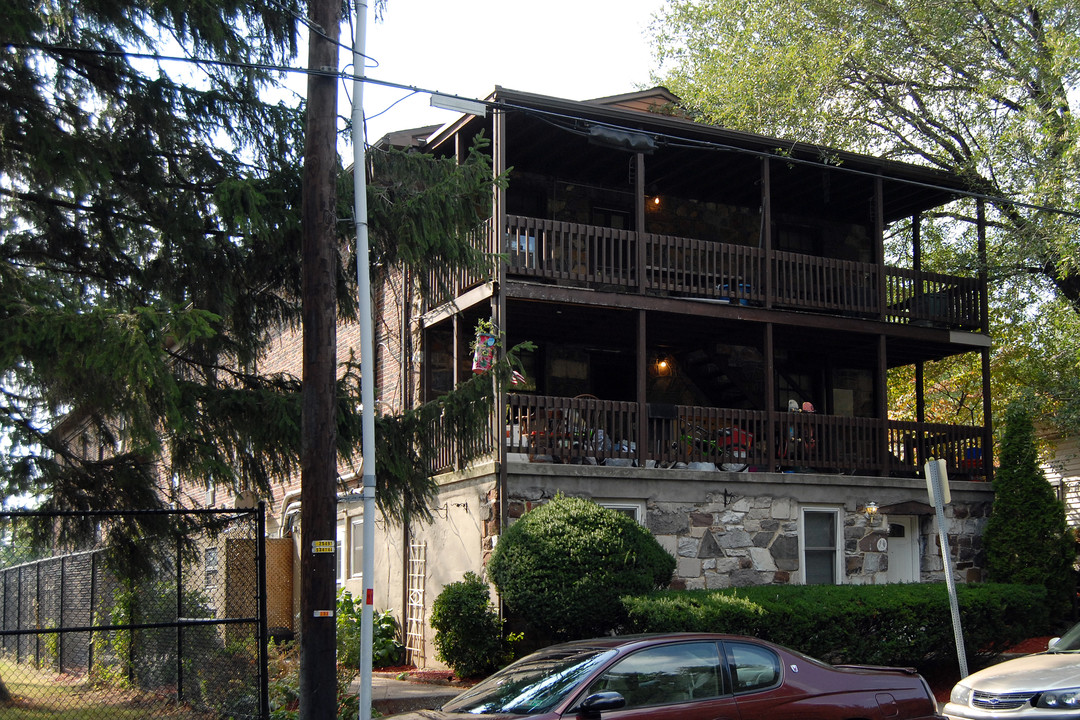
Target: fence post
260, 580
179, 625
60, 619
36, 619
93, 615
19, 616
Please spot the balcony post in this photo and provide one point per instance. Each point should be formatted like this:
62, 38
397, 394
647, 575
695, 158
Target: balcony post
642, 369
984, 310
879, 245
766, 229
498, 303
639, 222
770, 398
882, 401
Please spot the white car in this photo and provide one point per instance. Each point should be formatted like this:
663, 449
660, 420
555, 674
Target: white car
1044, 685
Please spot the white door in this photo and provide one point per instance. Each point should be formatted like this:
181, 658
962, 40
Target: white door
903, 549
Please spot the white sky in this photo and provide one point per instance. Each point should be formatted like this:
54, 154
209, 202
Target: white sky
575, 49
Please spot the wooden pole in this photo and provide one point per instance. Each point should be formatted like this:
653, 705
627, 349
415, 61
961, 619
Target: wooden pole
318, 510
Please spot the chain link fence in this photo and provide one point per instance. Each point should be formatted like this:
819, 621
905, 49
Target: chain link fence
188, 640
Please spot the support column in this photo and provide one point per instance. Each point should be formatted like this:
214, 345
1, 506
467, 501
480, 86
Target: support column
639, 221
643, 406
765, 241
770, 397
881, 390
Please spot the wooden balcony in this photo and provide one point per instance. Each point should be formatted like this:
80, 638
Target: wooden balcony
598, 432
631, 262
589, 431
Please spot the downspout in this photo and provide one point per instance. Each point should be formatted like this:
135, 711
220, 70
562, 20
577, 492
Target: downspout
498, 230
642, 340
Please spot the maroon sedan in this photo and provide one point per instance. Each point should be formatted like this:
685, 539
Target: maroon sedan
690, 677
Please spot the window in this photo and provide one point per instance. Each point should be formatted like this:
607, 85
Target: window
752, 667
663, 675
819, 541
633, 508
210, 567
356, 548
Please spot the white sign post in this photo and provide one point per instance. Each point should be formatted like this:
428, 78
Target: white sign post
937, 480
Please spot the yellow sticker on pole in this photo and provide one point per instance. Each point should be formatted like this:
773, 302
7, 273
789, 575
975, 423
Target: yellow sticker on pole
323, 546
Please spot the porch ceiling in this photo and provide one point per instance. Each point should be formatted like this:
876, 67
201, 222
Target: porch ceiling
615, 328
701, 161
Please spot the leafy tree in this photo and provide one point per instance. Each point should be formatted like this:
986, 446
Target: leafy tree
985, 90
1027, 539
564, 566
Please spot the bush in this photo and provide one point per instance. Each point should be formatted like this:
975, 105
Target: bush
468, 631
904, 624
386, 650
563, 567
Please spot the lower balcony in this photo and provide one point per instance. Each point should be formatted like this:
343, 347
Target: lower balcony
588, 431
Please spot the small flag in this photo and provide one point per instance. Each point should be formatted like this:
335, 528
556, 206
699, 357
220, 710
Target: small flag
516, 378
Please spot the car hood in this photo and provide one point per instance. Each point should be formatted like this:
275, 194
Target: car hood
442, 715
1030, 673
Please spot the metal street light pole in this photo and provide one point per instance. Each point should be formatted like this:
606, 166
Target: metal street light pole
367, 355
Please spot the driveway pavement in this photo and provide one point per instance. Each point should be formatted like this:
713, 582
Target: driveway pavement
390, 695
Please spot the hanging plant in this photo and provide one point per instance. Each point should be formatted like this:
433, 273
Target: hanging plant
484, 346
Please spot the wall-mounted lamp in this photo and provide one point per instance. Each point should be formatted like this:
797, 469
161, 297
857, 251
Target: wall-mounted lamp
663, 365
871, 511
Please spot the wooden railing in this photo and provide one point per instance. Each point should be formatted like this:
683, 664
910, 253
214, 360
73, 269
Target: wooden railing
825, 284
586, 430
454, 451
700, 268
728, 272
933, 299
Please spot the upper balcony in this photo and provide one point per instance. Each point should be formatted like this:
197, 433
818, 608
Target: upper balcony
563, 253
625, 261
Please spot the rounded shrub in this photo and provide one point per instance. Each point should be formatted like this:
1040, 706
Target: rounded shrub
468, 631
564, 566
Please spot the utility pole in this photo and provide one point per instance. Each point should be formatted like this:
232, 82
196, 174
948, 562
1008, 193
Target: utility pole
367, 357
318, 479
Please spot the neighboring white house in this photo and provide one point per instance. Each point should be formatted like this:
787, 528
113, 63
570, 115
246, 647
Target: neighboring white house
1062, 470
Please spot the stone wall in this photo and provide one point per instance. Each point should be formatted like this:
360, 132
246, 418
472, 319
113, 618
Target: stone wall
721, 540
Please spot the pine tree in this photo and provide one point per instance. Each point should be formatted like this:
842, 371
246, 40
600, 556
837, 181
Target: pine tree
151, 247
1027, 539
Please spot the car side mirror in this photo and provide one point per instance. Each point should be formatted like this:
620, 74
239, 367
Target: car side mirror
1052, 643
592, 706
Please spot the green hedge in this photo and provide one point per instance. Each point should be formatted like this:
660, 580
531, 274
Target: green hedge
907, 624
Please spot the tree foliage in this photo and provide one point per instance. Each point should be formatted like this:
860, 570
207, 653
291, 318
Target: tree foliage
985, 90
150, 213
1026, 539
564, 566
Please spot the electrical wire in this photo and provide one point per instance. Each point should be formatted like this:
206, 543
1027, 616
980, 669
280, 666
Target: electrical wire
572, 125
687, 143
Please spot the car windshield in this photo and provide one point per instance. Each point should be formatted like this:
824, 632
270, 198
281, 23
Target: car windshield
1069, 642
532, 685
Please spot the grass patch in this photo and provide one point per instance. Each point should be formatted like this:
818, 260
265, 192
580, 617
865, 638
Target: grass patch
44, 695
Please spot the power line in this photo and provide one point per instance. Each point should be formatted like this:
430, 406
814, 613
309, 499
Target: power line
671, 139
679, 141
